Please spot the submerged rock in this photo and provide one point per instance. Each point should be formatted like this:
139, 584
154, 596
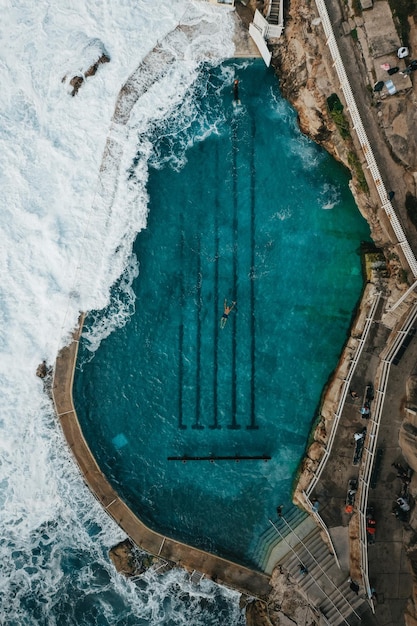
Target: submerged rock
130, 561
86, 57
42, 370
123, 558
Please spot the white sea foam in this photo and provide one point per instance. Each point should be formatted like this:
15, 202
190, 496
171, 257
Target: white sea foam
329, 197
64, 242
283, 214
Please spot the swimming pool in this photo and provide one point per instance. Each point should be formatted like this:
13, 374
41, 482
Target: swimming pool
242, 208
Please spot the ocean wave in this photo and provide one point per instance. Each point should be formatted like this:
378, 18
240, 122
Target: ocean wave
64, 246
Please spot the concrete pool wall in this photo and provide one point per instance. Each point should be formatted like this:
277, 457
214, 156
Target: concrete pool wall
216, 568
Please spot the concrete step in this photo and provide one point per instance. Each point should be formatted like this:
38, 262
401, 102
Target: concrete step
314, 549
270, 537
343, 605
324, 584
285, 546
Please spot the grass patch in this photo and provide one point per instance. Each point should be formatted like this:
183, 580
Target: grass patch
356, 166
336, 112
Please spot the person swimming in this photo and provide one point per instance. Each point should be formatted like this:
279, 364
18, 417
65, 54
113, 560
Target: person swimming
236, 91
226, 312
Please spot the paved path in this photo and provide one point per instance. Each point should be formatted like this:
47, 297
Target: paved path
392, 174
389, 571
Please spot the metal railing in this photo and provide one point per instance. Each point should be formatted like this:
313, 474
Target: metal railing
345, 389
323, 526
363, 139
300, 541
372, 439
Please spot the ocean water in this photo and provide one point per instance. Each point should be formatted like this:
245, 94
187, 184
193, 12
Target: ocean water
62, 249
242, 207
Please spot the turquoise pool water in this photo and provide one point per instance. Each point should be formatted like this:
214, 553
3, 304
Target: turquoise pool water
244, 208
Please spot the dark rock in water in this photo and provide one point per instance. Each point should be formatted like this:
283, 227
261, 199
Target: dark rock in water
42, 370
45, 372
130, 561
123, 558
79, 79
93, 69
76, 83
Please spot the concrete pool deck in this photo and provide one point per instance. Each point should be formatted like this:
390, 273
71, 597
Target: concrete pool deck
220, 570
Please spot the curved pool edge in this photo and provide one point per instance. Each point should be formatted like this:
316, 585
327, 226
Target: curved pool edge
225, 572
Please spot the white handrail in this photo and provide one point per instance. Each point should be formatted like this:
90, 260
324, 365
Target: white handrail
372, 439
283, 538
345, 388
363, 139
320, 521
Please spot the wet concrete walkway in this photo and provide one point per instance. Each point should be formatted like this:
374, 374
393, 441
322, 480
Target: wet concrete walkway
220, 570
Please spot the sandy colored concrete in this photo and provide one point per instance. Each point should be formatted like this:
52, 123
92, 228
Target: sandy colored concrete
220, 570
245, 47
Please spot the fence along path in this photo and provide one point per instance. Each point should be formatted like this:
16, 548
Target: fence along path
372, 439
409, 256
363, 139
345, 388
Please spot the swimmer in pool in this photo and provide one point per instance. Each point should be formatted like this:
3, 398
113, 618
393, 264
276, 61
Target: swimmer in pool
226, 311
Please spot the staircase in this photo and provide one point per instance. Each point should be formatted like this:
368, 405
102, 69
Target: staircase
325, 585
275, 12
266, 548
295, 540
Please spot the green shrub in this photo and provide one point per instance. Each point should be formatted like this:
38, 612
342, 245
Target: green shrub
336, 112
333, 103
341, 122
402, 276
356, 166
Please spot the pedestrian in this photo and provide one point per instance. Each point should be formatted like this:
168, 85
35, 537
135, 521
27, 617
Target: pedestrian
353, 394
316, 505
354, 586
303, 569
403, 504
279, 510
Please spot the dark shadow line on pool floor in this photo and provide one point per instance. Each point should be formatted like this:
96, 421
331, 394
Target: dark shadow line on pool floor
234, 425
197, 425
181, 424
215, 424
252, 425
